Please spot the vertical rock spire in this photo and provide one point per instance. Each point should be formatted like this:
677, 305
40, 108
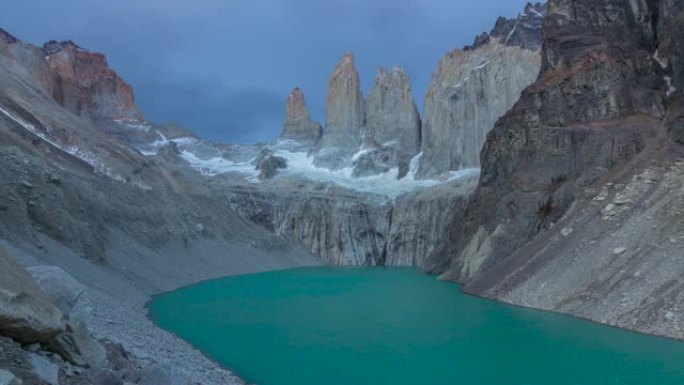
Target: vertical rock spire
345, 117
392, 119
298, 124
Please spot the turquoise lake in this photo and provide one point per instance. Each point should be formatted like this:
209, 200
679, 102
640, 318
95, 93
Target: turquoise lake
375, 326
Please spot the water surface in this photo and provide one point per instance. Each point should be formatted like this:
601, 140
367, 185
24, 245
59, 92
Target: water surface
374, 326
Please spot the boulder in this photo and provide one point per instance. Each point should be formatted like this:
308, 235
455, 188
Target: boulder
44, 369
26, 314
7, 378
78, 346
61, 288
104, 377
269, 166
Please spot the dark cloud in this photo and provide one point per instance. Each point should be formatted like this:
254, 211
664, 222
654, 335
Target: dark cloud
225, 67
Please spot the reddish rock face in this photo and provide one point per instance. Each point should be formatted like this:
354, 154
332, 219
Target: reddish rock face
298, 124
84, 84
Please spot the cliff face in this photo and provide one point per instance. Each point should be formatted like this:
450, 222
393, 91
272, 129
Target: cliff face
85, 85
392, 119
373, 136
345, 227
298, 124
473, 87
671, 57
345, 114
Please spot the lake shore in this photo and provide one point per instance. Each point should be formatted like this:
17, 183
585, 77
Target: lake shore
114, 305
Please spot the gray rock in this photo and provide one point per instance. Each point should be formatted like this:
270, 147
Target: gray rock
374, 162
33, 348
61, 288
44, 369
100, 376
270, 165
78, 346
163, 375
392, 118
471, 89
670, 316
26, 314
7, 378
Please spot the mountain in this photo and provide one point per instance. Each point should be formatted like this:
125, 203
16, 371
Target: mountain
578, 205
575, 109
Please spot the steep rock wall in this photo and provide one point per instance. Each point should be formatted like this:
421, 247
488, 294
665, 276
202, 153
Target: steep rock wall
473, 87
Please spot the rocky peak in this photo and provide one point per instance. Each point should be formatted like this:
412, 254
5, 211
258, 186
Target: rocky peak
86, 85
296, 107
345, 116
298, 124
54, 46
392, 119
522, 31
7, 37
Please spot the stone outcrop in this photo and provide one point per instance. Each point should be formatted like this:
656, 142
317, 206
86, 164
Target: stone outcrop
269, 166
473, 87
392, 118
345, 114
25, 312
85, 85
298, 124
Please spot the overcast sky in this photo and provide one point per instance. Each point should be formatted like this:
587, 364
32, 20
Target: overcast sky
223, 68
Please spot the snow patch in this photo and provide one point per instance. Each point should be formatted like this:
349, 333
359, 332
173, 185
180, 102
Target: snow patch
535, 12
481, 66
662, 62
301, 164
83, 154
510, 34
670, 88
218, 165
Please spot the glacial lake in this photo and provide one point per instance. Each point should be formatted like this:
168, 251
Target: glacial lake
375, 326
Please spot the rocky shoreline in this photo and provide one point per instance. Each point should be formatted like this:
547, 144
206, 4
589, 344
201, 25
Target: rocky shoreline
115, 310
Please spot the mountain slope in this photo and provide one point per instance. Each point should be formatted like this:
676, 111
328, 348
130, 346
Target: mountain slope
576, 209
